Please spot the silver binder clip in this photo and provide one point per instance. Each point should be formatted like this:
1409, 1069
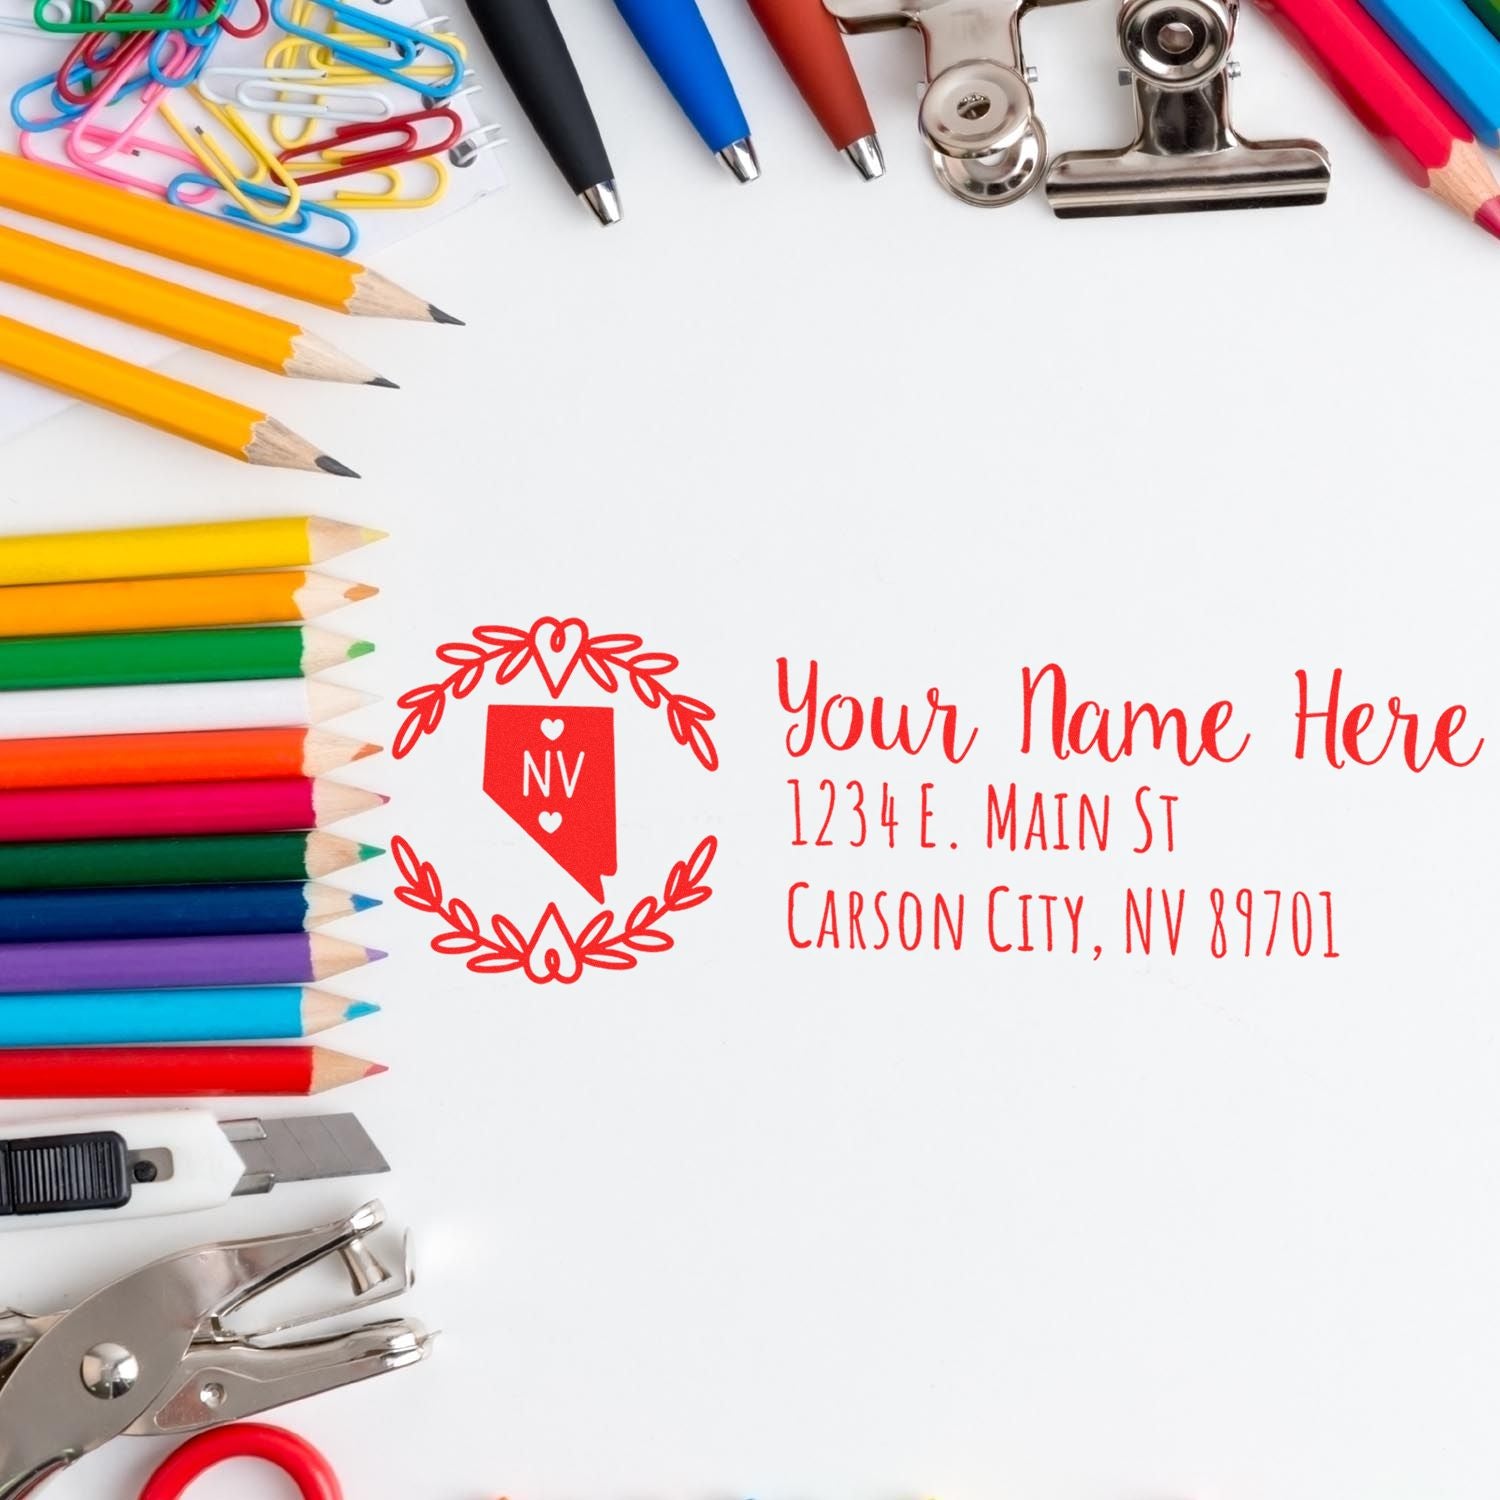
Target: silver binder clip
151, 1355
978, 115
1186, 155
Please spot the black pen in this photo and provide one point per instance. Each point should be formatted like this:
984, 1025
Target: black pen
525, 40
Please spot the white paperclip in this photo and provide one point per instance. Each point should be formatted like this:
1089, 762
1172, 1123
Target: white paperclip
55, 10
303, 93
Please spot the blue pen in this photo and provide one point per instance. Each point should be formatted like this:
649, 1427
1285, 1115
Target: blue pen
1456, 51
675, 38
129, 1018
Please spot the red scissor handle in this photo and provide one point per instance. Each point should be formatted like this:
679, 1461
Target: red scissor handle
294, 1456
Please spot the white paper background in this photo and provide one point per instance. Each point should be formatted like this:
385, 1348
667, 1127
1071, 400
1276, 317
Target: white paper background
755, 1222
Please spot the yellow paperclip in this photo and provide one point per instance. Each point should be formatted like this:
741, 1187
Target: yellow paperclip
347, 198
265, 170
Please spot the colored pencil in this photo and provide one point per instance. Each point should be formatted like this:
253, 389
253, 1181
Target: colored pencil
172, 963
1393, 100
176, 312
174, 808
157, 400
168, 708
155, 551
142, 911
85, 863
113, 1018
175, 1072
172, 603
1450, 44
242, 654
205, 755
193, 239
1488, 11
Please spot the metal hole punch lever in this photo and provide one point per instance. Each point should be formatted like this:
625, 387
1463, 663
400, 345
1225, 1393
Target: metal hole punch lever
1186, 155
978, 114
151, 1355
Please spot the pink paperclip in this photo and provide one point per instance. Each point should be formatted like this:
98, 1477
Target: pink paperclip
89, 143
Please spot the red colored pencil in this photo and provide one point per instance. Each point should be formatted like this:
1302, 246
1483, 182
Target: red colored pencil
175, 1072
1394, 101
177, 807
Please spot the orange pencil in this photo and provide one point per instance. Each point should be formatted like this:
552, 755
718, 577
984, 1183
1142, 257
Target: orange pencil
172, 603
192, 755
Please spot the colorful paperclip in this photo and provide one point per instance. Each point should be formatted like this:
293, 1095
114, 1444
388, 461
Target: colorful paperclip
266, 170
347, 163
303, 93
352, 47
301, 227
177, 17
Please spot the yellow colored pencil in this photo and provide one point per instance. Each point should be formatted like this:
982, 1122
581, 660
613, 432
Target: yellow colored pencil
178, 312
194, 239
157, 400
162, 551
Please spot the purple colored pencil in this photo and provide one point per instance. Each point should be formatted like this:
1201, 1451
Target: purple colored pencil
173, 963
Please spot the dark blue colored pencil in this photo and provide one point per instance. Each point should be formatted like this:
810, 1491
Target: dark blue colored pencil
58, 916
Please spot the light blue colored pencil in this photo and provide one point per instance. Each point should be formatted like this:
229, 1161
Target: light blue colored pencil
1456, 51
106, 1018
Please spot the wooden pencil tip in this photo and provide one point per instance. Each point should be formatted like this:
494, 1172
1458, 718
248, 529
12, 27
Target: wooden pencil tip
357, 1010
365, 751
439, 316
333, 466
369, 534
369, 851
360, 648
374, 1070
357, 591
383, 383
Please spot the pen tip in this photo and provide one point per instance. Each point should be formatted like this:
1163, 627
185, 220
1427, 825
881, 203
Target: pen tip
439, 316
383, 383
866, 154
604, 199
739, 156
333, 466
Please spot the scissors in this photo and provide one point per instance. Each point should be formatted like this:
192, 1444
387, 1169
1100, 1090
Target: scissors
294, 1456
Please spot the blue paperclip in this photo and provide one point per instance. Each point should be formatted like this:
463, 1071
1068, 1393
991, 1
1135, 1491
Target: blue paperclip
408, 42
66, 112
298, 227
202, 41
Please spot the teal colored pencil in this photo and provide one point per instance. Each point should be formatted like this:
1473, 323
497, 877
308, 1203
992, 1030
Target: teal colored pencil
107, 1018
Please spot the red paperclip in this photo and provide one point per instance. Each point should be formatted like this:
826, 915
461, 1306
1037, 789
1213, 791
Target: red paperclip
258, 25
98, 70
294, 1456
411, 148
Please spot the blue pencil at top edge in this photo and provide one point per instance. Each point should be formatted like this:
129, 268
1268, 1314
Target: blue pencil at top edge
115, 1018
1456, 51
61, 916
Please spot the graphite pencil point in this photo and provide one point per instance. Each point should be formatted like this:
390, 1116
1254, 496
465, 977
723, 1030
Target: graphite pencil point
333, 466
439, 316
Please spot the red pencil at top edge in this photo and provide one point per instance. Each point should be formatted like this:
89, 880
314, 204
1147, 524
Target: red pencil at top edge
1392, 99
175, 1072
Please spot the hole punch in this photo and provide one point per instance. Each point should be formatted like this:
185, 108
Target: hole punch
1186, 156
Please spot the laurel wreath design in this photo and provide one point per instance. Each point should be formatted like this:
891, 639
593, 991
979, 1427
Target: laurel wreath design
606, 658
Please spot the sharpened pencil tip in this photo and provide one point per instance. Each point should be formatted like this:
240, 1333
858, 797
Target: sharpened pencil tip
370, 851
383, 383
374, 955
368, 534
365, 751
1488, 217
360, 648
359, 1009
375, 1070
439, 316
357, 591
333, 466
363, 903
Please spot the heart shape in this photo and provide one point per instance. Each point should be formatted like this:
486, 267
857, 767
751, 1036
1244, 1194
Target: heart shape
552, 728
550, 821
557, 645
551, 954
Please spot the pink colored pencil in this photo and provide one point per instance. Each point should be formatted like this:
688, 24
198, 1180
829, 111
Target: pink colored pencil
177, 807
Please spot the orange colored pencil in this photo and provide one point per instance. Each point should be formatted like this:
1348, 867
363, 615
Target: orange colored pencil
172, 603
192, 755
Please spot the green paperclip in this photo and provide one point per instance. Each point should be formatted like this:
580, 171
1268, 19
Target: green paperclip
1488, 11
131, 20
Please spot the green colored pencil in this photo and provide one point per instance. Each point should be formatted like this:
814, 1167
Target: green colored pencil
71, 661
228, 858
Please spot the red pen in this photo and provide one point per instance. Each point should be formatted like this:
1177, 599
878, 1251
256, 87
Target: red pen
811, 48
1394, 102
